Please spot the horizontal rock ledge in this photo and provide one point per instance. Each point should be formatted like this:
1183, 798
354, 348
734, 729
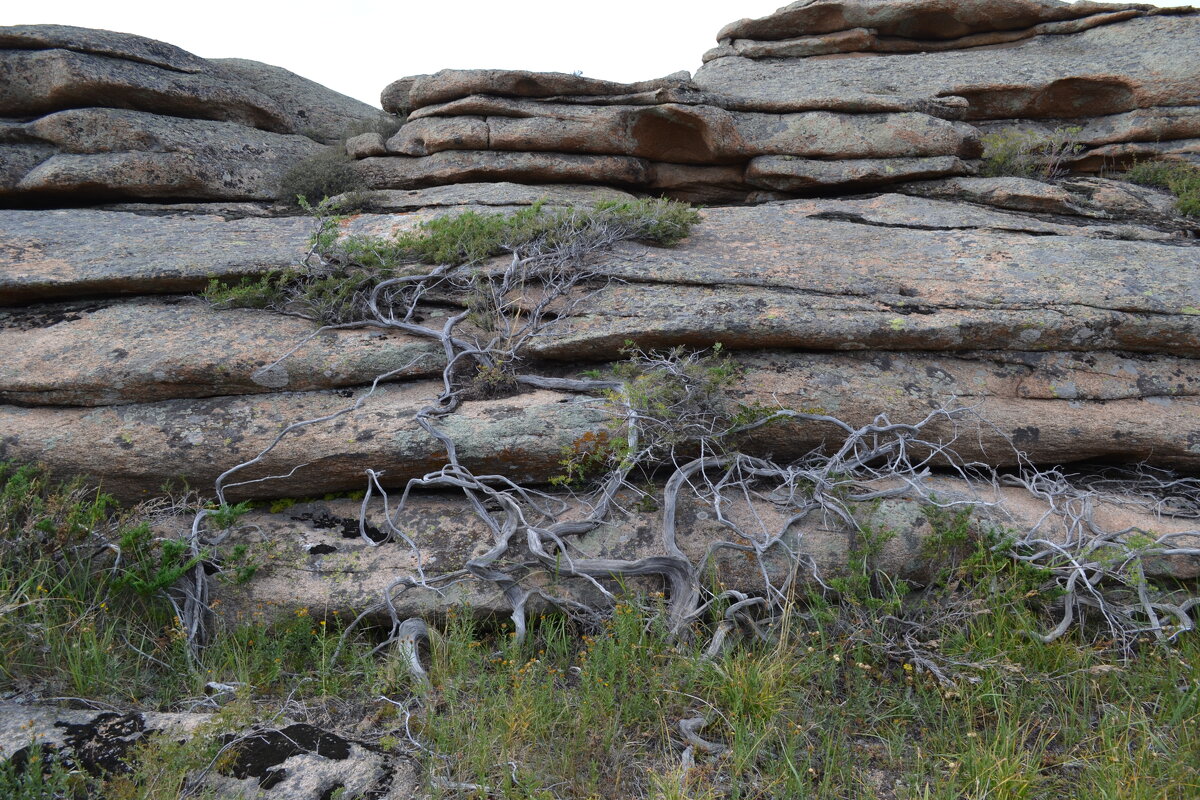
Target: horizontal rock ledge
81, 253
868, 40
312, 557
1055, 409
150, 349
1112, 69
913, 18
686, 134
35, 82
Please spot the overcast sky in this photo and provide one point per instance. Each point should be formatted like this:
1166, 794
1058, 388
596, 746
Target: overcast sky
359, 46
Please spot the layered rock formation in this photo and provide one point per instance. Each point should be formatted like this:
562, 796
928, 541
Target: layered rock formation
853, 267
819, 96
1119, 77
91, 115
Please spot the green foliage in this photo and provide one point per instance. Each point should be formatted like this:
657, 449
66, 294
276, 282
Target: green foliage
1181, 179
811, 710
677, 398
40, 778
225, 516
327, 173
41, 517
260, 292
335, 293
1029, 153
152, 566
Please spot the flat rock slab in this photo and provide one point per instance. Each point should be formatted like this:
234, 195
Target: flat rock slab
312, 557
148, 349
81, 253
1141, 63
135, 448
791, 174
1096, 198
501, 194
470, 166
685, 134
1055, 409
450, 84
942, 270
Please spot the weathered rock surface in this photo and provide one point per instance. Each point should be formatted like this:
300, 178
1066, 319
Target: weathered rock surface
35, 82
135, 446
311, 109
131, 117
147, 349
104, 153
281, 761
793, 174
686, 134
127, 46
451, 84
1049, 406
1095, 198
468, 166
499, 195
80, 253
913, 19
1140, 63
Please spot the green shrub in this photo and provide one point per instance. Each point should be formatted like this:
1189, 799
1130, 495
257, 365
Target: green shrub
1029, 154
1181, 179
335, 291
328, 173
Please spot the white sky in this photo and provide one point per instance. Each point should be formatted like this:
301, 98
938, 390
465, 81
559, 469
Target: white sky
359, 46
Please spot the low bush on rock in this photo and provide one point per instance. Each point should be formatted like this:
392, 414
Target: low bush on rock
327, 174
1181, 179
336, 284
1029, 154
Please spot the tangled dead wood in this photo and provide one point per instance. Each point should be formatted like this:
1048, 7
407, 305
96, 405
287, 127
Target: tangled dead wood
672, 424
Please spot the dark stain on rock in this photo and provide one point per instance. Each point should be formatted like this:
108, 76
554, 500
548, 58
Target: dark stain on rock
101, 745
348, 526
1026, 436
117, 353
44, 317
260, 755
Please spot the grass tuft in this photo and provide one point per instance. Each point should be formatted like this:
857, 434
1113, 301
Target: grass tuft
1181, 179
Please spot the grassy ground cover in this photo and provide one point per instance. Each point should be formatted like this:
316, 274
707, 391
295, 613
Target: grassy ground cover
870, 691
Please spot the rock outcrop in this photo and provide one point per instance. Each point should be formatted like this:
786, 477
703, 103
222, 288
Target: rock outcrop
97, 115
1109, 74
853, 265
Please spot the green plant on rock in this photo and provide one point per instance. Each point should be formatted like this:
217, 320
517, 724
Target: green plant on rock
327, 173
341, 272
1180, 178
1029, 153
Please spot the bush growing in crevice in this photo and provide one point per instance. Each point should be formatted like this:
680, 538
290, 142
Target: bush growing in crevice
1029, 153
1180, 178
327, 173
332, 287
